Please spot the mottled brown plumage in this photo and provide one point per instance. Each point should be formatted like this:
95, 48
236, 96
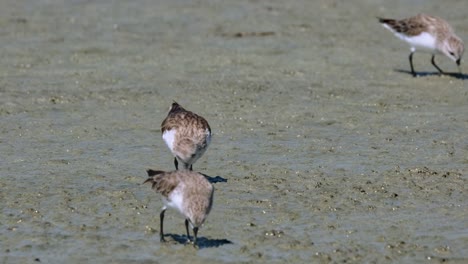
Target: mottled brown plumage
187, 191
415, 25
187, 135
160, 183
405, 26
178, 117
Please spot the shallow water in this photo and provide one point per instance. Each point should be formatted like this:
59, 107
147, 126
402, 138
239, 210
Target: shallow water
332, 152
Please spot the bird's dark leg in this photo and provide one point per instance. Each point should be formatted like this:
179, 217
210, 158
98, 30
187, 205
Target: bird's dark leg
435, 65
191, 167
161, 220
187, 229
195, 232
176, 163
411, 64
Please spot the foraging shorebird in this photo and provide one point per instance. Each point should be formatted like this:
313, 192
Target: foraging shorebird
186, 191
427, 33
187, 135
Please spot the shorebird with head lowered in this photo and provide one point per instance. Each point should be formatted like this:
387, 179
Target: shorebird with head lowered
427, 33
188, 192
187, 135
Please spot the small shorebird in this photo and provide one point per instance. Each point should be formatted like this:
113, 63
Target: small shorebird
187, 191
427, 33
187, 135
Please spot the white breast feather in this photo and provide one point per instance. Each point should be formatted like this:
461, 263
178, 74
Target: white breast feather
176, 199
208, 136
169, 137
424, 41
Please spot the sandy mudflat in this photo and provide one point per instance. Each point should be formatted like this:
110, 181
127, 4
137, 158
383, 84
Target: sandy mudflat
331, 150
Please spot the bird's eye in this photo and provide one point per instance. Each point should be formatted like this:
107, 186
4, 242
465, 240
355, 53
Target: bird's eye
451, 53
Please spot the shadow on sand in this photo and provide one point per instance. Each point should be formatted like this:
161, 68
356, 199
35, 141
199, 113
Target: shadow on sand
202, 242
211, 179
457, 75
215, 179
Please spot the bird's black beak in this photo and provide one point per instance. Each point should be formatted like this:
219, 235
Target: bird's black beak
459, 68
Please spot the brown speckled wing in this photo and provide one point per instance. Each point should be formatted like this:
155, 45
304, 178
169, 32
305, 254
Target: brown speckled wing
410, 26
162, 182
178, 117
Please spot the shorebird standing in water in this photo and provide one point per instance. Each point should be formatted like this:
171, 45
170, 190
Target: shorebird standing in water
427, 33
186, 191
187, 135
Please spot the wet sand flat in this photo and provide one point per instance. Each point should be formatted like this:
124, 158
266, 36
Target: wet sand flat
330, 150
